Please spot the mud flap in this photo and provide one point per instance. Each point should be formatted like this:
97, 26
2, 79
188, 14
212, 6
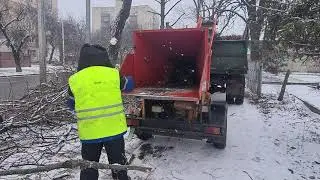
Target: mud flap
218, 116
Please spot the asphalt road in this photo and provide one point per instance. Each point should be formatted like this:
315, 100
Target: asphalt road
14, 87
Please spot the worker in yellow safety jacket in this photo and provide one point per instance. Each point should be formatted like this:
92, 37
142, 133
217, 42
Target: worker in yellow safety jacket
95, 96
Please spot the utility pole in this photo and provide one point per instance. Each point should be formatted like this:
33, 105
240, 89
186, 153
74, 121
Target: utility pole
42, 42
88, 21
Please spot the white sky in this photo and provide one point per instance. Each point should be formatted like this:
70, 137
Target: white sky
76, 8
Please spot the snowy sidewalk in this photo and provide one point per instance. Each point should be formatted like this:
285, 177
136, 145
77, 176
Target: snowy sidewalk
293, 78
305, 93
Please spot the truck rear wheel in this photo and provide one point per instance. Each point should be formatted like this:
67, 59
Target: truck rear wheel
239, 100
230, 100
143, 135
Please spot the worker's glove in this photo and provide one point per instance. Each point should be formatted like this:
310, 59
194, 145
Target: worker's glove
129, 84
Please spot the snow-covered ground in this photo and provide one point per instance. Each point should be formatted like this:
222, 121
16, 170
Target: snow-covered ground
294, 77
267, 140
304, 92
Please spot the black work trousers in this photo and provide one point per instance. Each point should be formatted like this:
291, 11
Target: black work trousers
116, 155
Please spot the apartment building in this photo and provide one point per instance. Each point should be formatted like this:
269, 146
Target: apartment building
140, 17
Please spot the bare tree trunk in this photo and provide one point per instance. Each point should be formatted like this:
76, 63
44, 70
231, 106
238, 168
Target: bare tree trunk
16, 53
255, 24
284, 85
118, 28
51, 54
162, 13
17, 60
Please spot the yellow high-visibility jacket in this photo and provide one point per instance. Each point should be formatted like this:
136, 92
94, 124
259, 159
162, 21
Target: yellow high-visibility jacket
98, 104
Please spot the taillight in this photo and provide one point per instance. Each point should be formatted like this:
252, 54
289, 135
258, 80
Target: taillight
213, 130
132, 122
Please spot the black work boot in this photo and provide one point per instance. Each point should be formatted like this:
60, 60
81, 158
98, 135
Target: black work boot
120, 175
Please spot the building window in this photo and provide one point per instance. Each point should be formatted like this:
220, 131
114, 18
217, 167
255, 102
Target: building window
133, 21
105, 20
49, 4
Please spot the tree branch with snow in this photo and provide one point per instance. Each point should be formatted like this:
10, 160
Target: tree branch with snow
72, 164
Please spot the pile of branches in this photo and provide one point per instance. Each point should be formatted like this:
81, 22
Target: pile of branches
37, 127
44, 104
38, 134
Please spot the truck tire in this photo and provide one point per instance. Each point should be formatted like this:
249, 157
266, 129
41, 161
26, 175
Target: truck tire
142, 135
230, 100
220, 116
239, 100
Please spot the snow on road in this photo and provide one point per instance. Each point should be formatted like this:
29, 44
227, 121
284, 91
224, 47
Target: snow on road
267, 140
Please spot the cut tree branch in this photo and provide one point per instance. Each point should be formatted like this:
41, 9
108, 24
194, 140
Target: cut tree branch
178, 19
172, 7
72, 164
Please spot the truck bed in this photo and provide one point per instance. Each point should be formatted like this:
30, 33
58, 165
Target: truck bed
174, 94
229, 57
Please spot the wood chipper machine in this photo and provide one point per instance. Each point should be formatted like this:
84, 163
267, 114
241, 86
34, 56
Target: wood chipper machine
171, 70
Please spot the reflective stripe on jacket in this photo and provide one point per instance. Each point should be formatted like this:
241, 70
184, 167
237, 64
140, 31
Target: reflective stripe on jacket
98, 103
